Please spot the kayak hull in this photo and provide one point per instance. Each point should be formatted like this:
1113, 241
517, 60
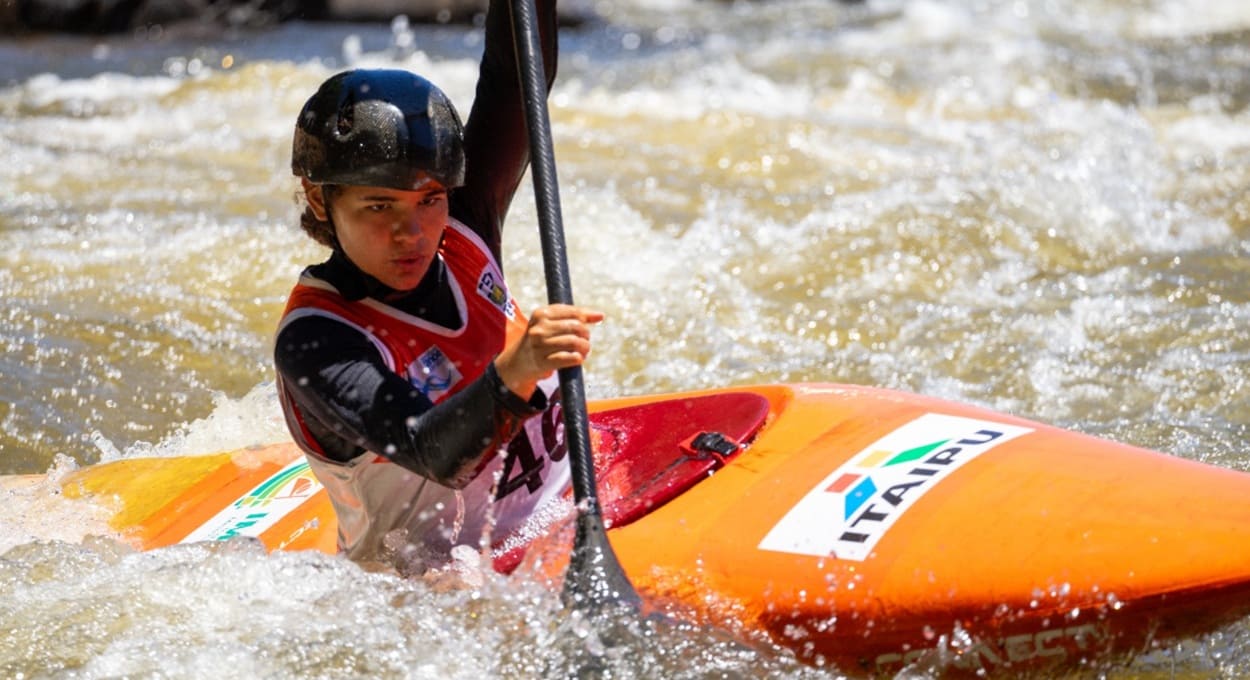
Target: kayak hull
865, 528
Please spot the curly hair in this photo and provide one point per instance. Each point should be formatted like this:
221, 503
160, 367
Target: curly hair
321, 231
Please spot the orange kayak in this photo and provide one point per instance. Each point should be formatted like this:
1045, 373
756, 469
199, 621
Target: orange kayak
864, 528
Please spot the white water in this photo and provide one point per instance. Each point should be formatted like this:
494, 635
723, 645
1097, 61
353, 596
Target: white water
1040, 207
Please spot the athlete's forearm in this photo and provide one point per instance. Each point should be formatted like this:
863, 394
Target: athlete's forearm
496, 140
452, 440
358, 404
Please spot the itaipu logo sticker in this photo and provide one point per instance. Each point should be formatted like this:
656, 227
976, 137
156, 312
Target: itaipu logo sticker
433, 373
490, 286
261, 507
850, 510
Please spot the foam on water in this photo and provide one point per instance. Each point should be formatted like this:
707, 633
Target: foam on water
36, 512
1178, 19
228, 610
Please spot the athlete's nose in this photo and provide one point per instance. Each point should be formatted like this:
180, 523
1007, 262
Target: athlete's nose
407, 226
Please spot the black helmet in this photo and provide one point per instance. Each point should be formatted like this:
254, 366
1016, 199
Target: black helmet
379, 127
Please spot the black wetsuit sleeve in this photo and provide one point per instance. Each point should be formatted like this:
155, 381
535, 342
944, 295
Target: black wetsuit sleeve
496, 141
351, 401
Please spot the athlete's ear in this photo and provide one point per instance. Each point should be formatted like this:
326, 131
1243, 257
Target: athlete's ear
316, 199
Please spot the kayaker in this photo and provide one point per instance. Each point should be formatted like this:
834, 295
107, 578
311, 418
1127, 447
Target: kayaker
423, 400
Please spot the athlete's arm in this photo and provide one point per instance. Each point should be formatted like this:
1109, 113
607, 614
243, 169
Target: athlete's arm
496, 143
352, 402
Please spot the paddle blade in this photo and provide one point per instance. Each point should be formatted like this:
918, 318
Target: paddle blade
595, 580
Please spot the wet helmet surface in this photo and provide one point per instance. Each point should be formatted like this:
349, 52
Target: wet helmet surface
379, 127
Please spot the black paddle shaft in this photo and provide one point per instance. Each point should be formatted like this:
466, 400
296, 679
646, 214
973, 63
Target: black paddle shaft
594, 576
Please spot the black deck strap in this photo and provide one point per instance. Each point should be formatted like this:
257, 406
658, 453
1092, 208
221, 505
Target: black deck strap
716, 444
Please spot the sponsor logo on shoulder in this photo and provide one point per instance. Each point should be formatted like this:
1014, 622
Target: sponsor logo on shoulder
490, 286
433, 373
261, 507
849, 511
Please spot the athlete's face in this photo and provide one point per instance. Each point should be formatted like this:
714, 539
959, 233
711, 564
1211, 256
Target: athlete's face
392, 235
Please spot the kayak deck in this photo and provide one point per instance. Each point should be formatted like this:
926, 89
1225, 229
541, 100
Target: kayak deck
861, 527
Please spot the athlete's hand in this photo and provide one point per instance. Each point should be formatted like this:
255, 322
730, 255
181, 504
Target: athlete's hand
558, 336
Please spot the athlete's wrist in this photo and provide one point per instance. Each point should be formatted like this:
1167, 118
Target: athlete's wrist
510, 390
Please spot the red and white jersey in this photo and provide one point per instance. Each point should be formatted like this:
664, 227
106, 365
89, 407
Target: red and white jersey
382, 508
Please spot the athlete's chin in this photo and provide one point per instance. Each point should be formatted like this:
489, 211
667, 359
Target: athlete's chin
406, 275
403, 284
